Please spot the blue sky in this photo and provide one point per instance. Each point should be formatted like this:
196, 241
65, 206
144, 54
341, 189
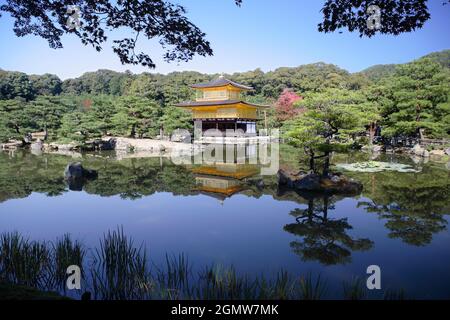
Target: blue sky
264, 34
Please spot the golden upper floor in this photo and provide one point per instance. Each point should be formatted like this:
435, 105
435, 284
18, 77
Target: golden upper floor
219, 89
217, 94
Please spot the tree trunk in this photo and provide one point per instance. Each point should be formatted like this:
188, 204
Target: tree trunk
421, 136
372, 130
326, 161
326, 164
311, 162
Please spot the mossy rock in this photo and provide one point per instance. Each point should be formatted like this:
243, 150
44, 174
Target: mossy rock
311, 182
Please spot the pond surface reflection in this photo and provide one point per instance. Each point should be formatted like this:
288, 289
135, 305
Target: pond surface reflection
230, 214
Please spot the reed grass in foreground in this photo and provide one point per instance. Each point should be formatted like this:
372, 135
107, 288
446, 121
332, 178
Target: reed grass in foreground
119, 270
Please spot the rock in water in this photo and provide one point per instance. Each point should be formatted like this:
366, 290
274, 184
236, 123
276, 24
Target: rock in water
419, 151
335, 179
309, 182
285, 178
75, 174
123, 145
37, 146
260, 184
439, 153
74, 170
162, 148
180, 135
12, 144
377, 148
108, 144
335, 183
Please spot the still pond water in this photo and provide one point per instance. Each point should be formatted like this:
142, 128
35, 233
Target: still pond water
230, 214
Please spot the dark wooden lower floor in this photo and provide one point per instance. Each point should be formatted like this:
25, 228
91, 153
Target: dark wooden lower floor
233, 127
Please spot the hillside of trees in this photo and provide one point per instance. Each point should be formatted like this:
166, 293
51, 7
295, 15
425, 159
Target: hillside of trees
400, 97
380, 71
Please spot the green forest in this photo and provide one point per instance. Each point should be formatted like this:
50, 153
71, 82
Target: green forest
406, 99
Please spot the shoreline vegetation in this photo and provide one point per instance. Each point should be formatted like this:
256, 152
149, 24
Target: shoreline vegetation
382, 103
119, 269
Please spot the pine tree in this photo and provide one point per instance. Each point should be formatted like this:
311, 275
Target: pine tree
331, 122
46, 113
16, 121
419, 92
137, 117
176, 118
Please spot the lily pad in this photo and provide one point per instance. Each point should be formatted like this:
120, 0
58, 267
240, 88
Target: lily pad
375, 166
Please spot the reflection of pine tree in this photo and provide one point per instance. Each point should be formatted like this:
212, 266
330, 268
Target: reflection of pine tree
413, 205
412, 222
324, 239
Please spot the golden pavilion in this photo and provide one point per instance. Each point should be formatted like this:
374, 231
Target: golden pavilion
219, 105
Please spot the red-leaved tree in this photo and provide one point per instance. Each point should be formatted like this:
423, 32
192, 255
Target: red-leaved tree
284, 108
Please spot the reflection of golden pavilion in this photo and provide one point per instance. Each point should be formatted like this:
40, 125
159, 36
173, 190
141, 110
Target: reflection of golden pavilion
223, 180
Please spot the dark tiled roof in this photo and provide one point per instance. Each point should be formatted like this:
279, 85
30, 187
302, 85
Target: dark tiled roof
216, 103
220, 82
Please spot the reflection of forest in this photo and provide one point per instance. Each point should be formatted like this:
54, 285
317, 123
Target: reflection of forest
414, 205
131, 178
323, 238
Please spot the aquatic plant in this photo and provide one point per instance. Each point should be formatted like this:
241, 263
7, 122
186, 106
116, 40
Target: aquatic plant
375, 166
354, 289
310, 289
173, 281
217, 282
282, 288
25, 262
67, 253
119, 270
